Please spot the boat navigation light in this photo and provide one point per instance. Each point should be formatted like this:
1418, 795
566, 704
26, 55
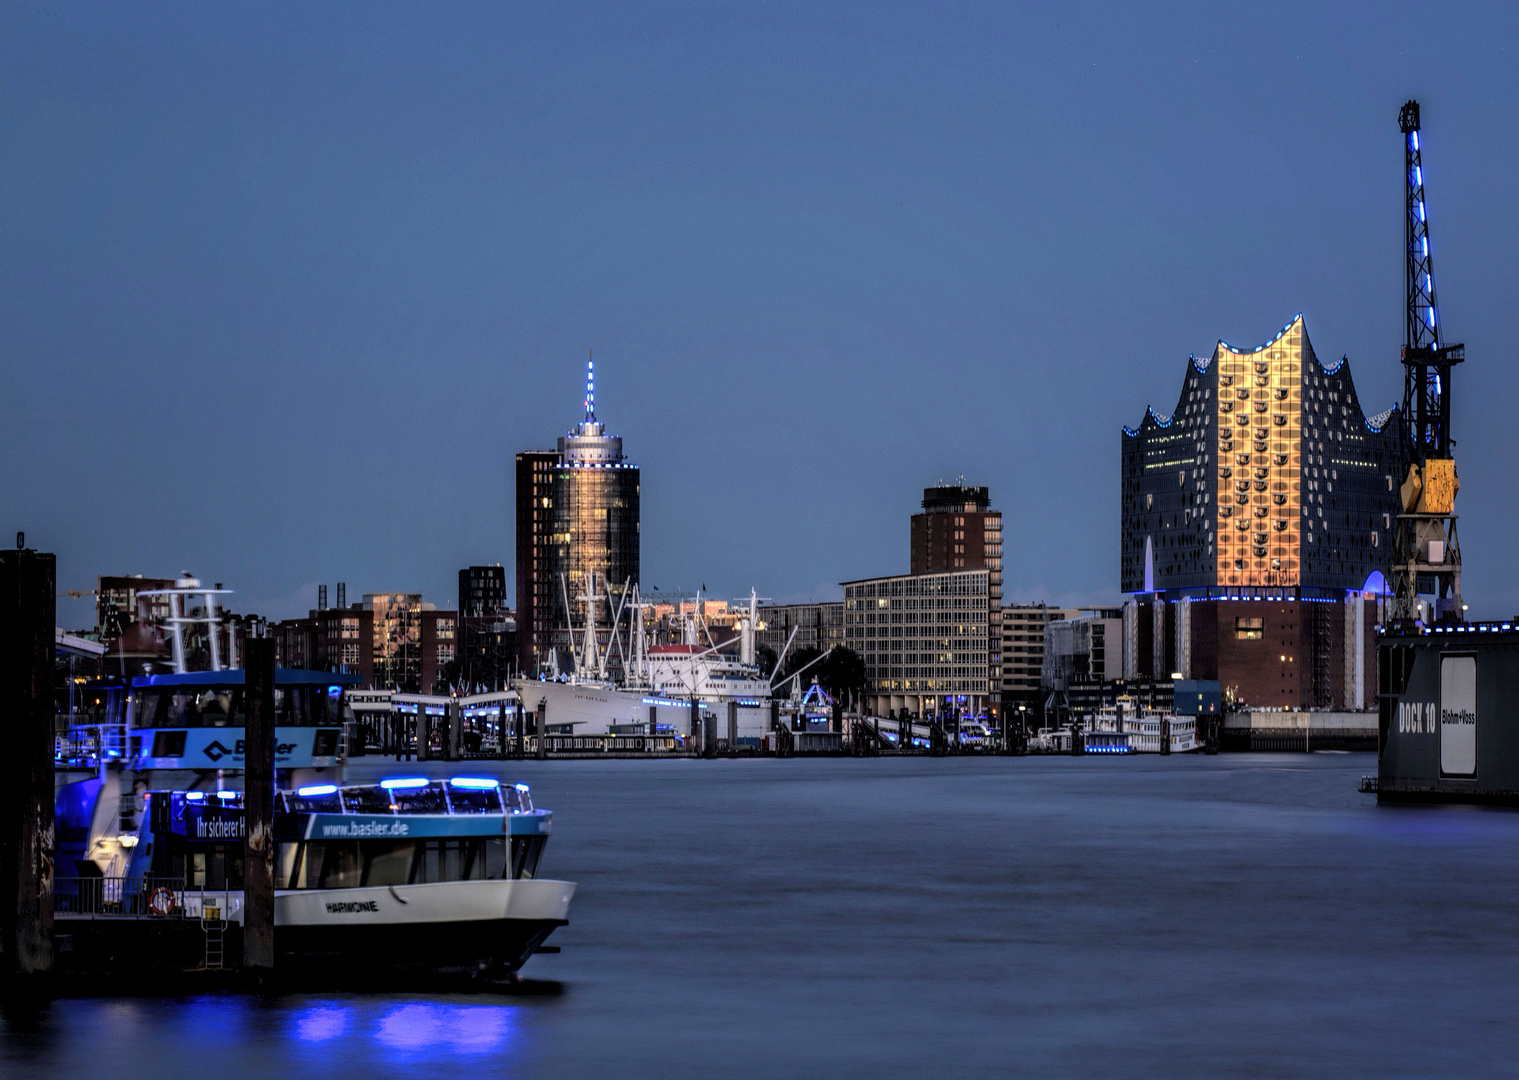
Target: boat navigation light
316, 789
478, 783
405, 782
195, 796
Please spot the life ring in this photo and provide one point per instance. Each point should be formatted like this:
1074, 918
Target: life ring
160, 901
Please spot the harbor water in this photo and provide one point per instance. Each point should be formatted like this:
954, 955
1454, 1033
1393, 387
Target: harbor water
1240, 915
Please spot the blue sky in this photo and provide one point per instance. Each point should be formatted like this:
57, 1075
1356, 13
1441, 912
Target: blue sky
283, 289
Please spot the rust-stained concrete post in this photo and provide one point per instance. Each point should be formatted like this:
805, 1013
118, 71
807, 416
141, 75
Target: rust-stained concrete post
258, 799
27, 583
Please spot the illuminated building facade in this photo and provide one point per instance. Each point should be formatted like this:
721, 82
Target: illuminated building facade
1265, 494
580, 519
958, 530
925, 642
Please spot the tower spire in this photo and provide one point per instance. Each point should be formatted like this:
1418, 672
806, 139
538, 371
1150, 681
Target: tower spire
590, 387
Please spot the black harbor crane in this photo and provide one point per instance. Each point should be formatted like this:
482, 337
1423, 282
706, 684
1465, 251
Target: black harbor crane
1426, 573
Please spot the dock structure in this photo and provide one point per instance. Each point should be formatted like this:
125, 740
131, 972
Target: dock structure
1448, 729
258, 803
27, 608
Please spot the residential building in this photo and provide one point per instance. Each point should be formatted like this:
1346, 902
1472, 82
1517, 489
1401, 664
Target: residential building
394, 641
482, 590
818, 626
958, 530
925, 642
1022, 628
1087, 648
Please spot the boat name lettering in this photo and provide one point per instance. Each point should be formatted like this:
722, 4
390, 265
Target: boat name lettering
345, 907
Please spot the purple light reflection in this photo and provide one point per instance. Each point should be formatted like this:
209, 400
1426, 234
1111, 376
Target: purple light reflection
319, 1023
462, 1029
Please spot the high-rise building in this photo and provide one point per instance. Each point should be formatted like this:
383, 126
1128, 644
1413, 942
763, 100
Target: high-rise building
958, 530
535, 526
577, 519
1258, 520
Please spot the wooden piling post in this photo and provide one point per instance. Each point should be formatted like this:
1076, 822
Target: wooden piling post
27, 621
258, 803
732, 728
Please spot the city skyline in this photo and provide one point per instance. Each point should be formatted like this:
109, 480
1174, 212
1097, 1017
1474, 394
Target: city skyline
825, 261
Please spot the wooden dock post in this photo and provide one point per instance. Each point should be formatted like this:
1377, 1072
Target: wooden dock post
27, 619
732, 728
258, 801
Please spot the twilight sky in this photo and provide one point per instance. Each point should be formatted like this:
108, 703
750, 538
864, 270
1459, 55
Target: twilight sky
283, 289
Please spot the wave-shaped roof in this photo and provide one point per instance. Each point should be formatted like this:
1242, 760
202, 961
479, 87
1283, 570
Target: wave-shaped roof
1201, 366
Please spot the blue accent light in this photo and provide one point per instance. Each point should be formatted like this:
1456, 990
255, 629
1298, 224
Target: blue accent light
405, 782
195, 796
316, 789
521, 787
475, 783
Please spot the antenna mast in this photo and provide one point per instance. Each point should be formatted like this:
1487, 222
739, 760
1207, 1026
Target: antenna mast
1426, 550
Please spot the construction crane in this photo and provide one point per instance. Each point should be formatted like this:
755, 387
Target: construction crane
1426, 575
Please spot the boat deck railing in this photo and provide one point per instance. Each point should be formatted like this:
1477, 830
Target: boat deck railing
141, 897
88, 746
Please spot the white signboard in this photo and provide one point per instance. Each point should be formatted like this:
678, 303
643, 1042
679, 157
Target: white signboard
1458, 715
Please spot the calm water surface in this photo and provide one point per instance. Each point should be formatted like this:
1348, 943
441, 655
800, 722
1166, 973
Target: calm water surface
1245, 915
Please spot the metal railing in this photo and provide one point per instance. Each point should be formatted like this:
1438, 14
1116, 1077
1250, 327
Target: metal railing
88, 746
142, 897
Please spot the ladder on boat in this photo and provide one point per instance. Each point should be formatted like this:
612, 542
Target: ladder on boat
215, 928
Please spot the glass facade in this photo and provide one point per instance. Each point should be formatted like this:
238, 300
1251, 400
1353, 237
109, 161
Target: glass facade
1267, 475
595, 530
577, 515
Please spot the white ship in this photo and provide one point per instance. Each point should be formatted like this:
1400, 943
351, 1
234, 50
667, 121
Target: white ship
659, 683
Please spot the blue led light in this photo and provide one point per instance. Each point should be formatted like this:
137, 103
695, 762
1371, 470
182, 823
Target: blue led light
475, 783
405, 782
521, 787
195, 796
316, 789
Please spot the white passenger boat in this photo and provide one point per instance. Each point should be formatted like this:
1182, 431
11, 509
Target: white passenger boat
411, 874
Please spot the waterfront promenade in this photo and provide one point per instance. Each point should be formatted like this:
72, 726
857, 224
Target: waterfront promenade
1239, 915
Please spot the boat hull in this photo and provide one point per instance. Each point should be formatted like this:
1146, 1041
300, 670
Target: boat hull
488, 927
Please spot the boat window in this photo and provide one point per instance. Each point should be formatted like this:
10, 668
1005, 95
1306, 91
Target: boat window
440, 860
526, 850
387, 862
296, 803
474, 801
366, 800
420, 800
220, 707
341, 868
286, 857
518, 800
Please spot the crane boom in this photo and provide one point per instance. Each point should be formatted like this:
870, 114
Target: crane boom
1427, 556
